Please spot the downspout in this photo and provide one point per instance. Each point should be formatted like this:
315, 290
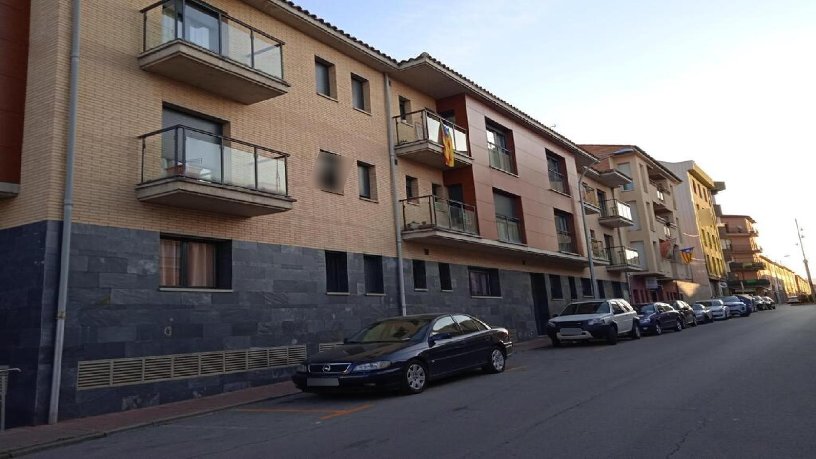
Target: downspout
392, 170
590, 255
67, 215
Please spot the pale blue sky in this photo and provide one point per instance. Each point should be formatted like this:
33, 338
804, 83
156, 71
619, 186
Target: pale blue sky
730, 84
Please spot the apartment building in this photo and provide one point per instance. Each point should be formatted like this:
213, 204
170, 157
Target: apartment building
742, 251
656, 234
696, 203
784, 282
252, 184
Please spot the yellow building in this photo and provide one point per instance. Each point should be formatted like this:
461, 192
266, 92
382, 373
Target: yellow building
785, 283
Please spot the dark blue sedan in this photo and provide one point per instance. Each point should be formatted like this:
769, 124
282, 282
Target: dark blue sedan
405, 353
656, 317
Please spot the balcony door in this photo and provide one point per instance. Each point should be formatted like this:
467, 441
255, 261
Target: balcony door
196, 151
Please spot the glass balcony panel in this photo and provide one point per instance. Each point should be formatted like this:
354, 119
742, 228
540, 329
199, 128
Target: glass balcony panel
236, 42
202, 156
460, 141
271, 173
201, 27
433, 128
268, 56
239, 165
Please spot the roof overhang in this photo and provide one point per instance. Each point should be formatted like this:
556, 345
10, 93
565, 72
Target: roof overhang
610, 177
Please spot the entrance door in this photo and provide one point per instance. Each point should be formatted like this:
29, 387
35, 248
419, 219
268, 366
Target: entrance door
541, 306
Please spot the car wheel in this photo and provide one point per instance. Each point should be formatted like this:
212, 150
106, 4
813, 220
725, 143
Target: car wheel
414, 377
555, 341
496, 362
693, 321
658, 330
679, 325
635, 334
612, 336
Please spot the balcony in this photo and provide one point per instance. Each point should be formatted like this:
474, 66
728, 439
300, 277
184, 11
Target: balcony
501, 158
599, 252
748, 285
661, 201
194, 169
746, 266
510, 229
591, 203
434, 213
615, 214
665, 227
623, 259
190, 42
420, 137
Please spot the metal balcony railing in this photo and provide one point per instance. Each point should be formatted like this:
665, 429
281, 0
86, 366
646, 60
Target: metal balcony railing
510, 229
214, 31
558, 182
614, 208
590, 196
623, 256
431, 212
425, 125
566, 242
501, 158
182, 151
599, 252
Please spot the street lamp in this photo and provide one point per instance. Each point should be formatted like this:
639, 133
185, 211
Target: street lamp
586, 229
804, 257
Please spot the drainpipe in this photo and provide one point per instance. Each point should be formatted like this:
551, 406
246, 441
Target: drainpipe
586, 232
392, 169
67, 215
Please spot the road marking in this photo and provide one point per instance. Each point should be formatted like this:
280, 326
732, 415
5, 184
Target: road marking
517, 368
328, 414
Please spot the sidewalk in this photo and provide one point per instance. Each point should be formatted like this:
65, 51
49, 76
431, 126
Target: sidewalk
26, 440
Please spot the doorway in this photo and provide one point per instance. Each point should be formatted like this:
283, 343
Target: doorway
541, 306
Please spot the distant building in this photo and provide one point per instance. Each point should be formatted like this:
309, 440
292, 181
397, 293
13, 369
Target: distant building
742, 252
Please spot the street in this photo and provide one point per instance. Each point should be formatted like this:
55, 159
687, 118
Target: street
740, 388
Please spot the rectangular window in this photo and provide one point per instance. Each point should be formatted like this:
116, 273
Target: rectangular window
626, 169
573, 290
411, 187
336, 272
555, 287
360, 93
404, 108
325, 78
445, 277
601, 291
484, 282
420, 280
565, 231
367, 180
557, 170
437, 190
372, 265
617, 288
508, 217
501, 155
189, 263
586, 286
329, 172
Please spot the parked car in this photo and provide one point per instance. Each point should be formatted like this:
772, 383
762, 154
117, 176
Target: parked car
770, 302
405, 353
656, 317
736, 305
718, 309
686, 312
598, 319
702, 313
793, 299
749, 301
761, 304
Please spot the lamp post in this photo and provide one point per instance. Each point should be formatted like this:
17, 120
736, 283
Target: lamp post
586, 230
804, 257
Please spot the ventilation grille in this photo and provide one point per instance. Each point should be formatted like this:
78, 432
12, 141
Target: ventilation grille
94, 374
327, 346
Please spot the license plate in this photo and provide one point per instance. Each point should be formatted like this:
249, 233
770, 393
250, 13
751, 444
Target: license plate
571, 331
322, 382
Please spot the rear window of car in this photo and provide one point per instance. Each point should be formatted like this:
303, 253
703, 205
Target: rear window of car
647, 309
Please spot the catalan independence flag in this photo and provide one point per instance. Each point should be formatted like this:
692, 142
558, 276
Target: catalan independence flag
447, 145
687, 254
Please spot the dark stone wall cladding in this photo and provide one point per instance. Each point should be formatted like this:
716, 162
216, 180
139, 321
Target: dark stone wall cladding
116, 310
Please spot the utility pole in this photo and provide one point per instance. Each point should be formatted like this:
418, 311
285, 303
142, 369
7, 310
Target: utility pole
804, 257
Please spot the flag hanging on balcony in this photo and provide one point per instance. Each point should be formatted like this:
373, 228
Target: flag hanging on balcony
687, 254
447, 145
667, 249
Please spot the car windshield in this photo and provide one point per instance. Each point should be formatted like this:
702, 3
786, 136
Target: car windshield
647, 309
730, 299
697, 307
590, 307
391, 331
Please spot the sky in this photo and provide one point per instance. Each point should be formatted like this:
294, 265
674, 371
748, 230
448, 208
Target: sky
730, 84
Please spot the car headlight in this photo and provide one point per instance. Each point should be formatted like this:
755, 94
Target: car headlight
371, 366
551, 323
302, 368
596, 322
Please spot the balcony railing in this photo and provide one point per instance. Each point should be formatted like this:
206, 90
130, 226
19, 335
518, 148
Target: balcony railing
566, 243
747, 266
510, 229
431, 212
425, 125
182, 151
501, 158
599, 252
623, 256
213, 31
558, 182
590, 196
612, 208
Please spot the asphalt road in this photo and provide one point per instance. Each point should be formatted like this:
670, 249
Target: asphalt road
741, 388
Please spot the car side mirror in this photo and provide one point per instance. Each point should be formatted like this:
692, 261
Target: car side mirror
439, 337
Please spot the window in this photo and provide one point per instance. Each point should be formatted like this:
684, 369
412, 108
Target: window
372, 265
572, 289
616, 308
367, 180
586, 286
484, 282
336, 272
437, 190
626, 169
469, 324
501, 156
445, 325
555, 287
411, 187
617, 289
557, 169
190, 263
360, 98
601, 292
404, 108
420, 280
565, 231
445, 277
508, 217
325, 78
329, 172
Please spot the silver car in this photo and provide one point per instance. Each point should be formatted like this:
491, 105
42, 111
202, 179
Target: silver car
718, 309
702, 314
